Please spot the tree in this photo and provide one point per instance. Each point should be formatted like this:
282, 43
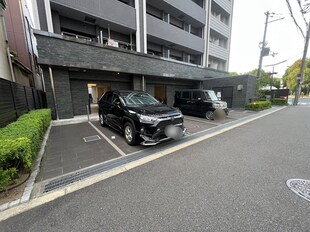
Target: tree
289, 78
232, 74
265, 79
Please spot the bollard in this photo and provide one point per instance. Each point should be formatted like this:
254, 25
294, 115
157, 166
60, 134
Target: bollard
87, 107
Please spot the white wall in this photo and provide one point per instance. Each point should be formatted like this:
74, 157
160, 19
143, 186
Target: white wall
5, 71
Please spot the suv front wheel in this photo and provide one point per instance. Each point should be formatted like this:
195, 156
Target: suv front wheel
130, 133
209, 115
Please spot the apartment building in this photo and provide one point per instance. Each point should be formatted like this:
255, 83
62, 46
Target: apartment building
17, 45
5, 70
89, 47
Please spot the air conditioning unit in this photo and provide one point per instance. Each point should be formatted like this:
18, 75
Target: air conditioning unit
112, 43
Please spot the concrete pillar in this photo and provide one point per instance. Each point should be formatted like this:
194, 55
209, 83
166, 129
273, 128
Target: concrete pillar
141, 38
138, 82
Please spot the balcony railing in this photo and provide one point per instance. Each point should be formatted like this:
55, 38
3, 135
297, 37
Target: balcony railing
105, 41
220, 27
218, 51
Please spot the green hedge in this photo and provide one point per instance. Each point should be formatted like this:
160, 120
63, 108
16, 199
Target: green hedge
20, 142
258, 105
279, 102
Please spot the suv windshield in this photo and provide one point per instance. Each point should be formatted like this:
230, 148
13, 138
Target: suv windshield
211, 95
138, 99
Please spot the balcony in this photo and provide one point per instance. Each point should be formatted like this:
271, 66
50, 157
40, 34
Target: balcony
220, 27
112, 11
218, 51
225, 4
75, 54
189, 8
164, 31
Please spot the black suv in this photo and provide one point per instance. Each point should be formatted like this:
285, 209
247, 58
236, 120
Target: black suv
140, 116
199, 102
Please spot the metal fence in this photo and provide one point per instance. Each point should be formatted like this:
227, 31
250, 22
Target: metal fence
16, 99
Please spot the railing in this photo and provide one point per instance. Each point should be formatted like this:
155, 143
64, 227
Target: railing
220, 27
67, 34
105, 41
218, 51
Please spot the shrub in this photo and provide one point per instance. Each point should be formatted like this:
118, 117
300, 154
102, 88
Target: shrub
258, 105
31, 126
20, 142
15, 153
279, 102
6, 177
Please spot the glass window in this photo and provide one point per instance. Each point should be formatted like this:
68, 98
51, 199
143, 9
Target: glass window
115, 100
138, 99
108, 97
211, 95
186, 95
197, 95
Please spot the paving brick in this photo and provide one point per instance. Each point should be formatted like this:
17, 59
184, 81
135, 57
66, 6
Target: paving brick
50, 174
71, 168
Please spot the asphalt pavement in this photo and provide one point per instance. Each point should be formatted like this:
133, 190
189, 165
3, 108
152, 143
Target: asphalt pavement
235, 181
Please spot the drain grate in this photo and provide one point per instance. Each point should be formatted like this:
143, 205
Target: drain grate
91, 138
300, 187
80, 175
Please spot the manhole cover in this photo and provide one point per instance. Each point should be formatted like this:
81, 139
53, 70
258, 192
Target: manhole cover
91, 138
300, 187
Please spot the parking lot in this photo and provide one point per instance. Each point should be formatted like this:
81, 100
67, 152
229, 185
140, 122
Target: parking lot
76, 146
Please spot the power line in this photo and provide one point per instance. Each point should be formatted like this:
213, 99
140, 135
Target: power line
293, 17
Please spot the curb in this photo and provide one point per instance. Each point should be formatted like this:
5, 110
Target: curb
188, 141
30, 182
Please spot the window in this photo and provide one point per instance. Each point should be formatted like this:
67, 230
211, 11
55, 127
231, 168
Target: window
154, 11
186, 95
196, 31
128, 2
197, 95
116, 100
176, 22
108, 97
198, 2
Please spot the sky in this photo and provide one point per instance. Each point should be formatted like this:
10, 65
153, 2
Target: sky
282, 36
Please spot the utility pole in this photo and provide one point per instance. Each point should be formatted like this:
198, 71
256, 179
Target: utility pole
262, 52
300, 76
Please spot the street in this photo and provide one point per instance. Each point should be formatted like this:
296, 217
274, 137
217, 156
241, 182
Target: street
235, 181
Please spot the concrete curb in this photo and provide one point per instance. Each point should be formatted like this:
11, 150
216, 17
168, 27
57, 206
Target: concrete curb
195, 138
30, 182
75, 120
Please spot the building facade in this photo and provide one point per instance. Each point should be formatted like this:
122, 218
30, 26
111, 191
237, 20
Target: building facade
89, 47
18, 46
5, 69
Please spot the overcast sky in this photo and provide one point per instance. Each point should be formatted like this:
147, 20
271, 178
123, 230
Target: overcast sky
282, 36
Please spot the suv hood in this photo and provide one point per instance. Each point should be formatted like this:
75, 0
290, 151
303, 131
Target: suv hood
154, 109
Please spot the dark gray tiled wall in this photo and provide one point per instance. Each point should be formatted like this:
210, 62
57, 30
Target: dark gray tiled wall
73, 53
63, 94
240, 97
79, 93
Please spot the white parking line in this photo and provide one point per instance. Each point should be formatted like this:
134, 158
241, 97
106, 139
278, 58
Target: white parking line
108, 140
197, 120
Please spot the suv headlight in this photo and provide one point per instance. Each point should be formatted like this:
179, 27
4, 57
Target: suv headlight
216, 105
146, 118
